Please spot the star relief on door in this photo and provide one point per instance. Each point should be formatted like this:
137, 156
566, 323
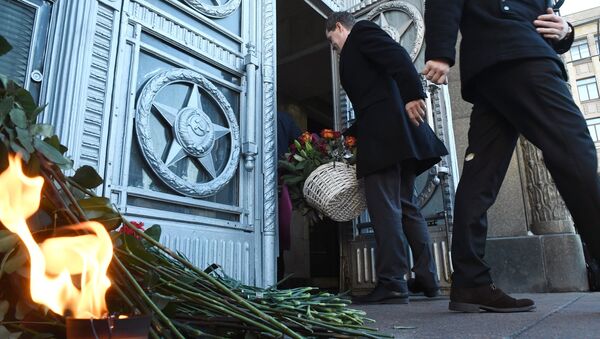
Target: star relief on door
403, 22
214, 8
193, 135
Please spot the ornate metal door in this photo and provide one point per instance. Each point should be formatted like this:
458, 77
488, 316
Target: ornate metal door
185, 129
173, 102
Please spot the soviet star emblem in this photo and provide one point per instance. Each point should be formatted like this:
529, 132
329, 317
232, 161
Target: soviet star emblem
195, 134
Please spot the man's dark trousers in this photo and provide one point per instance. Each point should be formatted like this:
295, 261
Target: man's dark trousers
527, 97
396, 217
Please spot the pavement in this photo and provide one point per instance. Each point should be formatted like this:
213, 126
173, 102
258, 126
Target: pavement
557, 315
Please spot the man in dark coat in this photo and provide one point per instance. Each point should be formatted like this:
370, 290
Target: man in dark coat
394, 146
511, 73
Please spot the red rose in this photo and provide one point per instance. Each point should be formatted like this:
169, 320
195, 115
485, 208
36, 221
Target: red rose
305, 137
328, 134
125, 229
350, 141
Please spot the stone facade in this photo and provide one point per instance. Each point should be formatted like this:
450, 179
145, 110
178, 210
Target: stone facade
583, 66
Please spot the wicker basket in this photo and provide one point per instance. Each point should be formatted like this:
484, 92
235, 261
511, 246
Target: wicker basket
333, 190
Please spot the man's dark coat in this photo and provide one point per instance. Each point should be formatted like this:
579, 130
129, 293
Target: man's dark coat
493, 31
379, 77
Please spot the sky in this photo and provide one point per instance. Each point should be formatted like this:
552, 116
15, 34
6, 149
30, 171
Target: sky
572, 6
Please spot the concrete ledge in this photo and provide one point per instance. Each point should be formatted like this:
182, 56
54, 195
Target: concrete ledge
536, 264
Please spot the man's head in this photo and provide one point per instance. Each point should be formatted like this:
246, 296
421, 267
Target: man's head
337, 28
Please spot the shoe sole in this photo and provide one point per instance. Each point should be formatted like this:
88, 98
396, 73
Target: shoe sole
476, 308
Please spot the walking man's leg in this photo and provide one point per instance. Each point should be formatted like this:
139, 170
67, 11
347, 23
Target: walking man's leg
492, 140
383, 201
417, 234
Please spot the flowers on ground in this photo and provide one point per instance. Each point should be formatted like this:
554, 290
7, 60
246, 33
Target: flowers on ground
125, 229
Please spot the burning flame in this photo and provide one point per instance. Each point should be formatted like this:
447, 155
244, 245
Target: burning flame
57, 259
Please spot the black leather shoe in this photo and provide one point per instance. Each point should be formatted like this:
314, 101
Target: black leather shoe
486, 298
382, 295
416, 287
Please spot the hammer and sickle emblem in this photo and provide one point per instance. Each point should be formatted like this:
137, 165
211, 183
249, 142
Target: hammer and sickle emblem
198, 125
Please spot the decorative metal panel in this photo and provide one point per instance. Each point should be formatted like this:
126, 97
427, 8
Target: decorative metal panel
204, 249
98, 90
222, 8
408, 31
194, 135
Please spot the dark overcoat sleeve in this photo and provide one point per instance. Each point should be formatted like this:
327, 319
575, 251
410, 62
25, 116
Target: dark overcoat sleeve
564, 45
442, 22
378, 47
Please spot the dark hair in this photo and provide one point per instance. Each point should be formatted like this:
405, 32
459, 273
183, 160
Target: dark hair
345, 18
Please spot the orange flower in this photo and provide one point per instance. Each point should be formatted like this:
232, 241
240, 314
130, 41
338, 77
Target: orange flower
327, 134
350, 141
305, 137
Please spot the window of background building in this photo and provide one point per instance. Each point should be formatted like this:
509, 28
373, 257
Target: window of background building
587, 89
594, 127
580, 50
597, 38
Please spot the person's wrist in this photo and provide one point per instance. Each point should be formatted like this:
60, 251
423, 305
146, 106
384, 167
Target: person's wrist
569, 32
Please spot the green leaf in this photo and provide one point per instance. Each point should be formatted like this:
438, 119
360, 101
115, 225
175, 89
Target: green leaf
154, 232
4, 305
95, 203
151, 279
3, 80
309, 147
43, 130
137, 248
162, 300
55, 142
18, 149
18, 117
16, 261
5, 46
5, 106
87, 177
8, 241
25, 139
293, 181
33, 115
286, 165
24, 98
51, 153
100, 209
298, 158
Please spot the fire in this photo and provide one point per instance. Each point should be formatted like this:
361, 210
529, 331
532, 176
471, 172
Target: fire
57, 259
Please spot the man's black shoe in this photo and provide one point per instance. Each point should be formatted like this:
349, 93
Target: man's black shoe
382, 295
415, 286
486, 298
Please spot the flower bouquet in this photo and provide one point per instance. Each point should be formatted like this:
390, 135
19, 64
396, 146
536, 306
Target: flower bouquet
321, 178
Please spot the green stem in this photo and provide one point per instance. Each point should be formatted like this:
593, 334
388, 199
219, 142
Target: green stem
148, 301
215, 282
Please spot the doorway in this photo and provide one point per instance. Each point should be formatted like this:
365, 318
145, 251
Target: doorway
305, 91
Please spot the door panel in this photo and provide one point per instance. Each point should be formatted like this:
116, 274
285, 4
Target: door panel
177, 150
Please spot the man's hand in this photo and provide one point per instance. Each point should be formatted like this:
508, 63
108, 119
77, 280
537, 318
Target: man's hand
551, 26
416, 111
436, 71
